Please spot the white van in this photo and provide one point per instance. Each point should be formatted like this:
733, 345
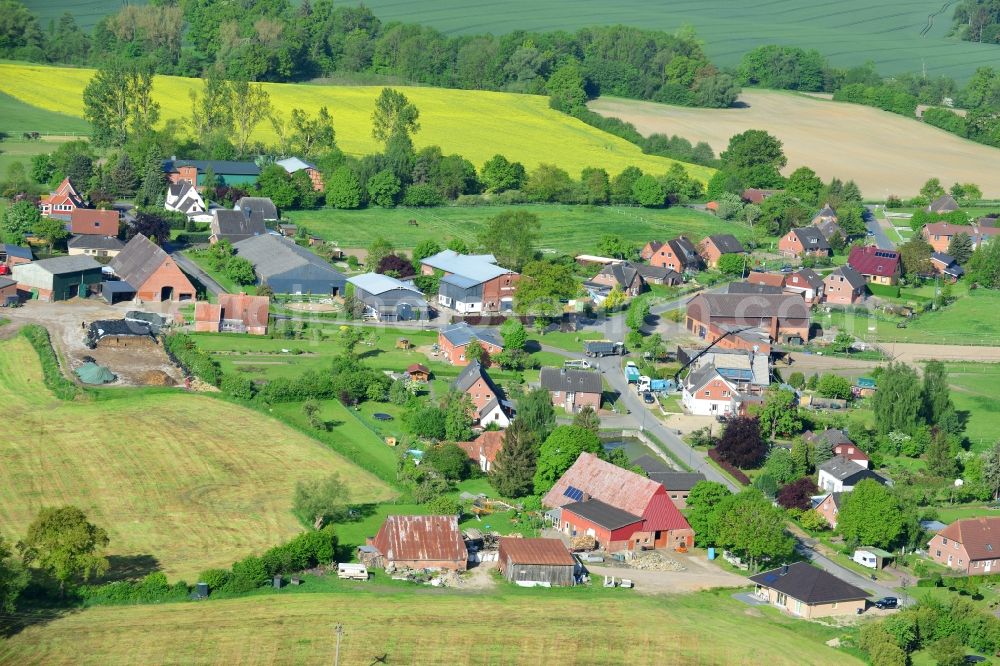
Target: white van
578, 364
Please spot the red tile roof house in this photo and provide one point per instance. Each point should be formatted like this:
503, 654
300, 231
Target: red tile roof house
877, 265
421, 542
622, 510
488, 401
572, 389
711, 248
971, 546
454, 340
679, 255
783, 317
152, 272
234, 313
757, 196
544, 562
844, 286
768, 279
806, 283
939, 234
62, 202
90, 222
804, 242
483, 450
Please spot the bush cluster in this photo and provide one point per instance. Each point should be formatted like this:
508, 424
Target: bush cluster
183, 351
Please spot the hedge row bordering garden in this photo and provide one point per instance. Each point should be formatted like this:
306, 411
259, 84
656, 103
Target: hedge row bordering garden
733, 471
54, 379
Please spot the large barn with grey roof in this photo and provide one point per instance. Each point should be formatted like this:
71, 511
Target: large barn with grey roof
288, 268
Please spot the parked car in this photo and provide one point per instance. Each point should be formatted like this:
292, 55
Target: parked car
975, 659
647, 398
886, 603
577, 363
787, 268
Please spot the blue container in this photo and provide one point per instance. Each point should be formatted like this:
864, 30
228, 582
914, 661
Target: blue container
711, 553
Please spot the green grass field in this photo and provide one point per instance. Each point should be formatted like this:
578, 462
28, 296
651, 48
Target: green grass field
475, 124
970, 320
974, 390
890, 34
570, 229
86, 13
192, 481
17, 117
404, 625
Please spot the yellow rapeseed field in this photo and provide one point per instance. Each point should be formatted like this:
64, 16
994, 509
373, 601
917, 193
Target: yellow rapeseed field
475, 124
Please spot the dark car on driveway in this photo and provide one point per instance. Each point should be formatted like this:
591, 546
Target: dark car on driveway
887, 602
647, 398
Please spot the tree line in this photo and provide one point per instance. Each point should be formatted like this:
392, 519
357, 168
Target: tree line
278, 40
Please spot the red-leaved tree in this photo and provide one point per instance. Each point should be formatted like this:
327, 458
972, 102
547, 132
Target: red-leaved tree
797, 494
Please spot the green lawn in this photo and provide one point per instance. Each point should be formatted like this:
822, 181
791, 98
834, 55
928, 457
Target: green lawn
570, 229
566, 341
974, 389
970, 320
16, 117
948, 514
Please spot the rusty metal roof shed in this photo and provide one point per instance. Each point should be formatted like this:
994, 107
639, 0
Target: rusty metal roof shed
421, 538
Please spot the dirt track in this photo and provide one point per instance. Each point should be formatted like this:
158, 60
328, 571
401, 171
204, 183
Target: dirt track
883, 152
912, 352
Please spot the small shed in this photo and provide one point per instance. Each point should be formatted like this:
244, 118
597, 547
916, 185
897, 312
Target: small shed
542, 562
117, 291
873, 558
419, 373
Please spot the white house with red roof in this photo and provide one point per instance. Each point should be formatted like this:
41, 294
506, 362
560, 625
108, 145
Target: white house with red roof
622, 510
62, 202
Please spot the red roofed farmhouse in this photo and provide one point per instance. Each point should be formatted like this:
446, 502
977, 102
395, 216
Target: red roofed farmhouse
971, 546
421, 542
483, 450
62, 202
877, 265
619, 508
91, 222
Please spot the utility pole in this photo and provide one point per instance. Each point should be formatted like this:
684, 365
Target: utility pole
338, 629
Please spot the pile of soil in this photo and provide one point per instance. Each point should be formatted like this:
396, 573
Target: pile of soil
156, 378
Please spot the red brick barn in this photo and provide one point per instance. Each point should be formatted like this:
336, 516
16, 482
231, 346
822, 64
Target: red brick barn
621, 509
421, 542
783, 317
152, 272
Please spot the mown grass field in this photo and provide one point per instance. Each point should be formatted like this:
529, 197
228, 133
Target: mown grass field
891, 34
974, 390
427, 626
189, 480
474, 124
970, 320
16, 117
569, 229
905, 154
86, 13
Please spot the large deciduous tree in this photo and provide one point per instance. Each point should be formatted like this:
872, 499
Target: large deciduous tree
118, 101
320, 501
870, 515
542, 286
499, 174
741, 443
511, 237
394, 114
13, 578
899, 400
702, 510
753, 528
251, 106
535, 411
559, 451
61, 542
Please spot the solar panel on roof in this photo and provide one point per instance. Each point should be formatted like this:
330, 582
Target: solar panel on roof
770, 578
574, 494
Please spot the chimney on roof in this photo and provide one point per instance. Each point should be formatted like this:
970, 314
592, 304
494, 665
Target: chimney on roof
585, 497
784, 569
